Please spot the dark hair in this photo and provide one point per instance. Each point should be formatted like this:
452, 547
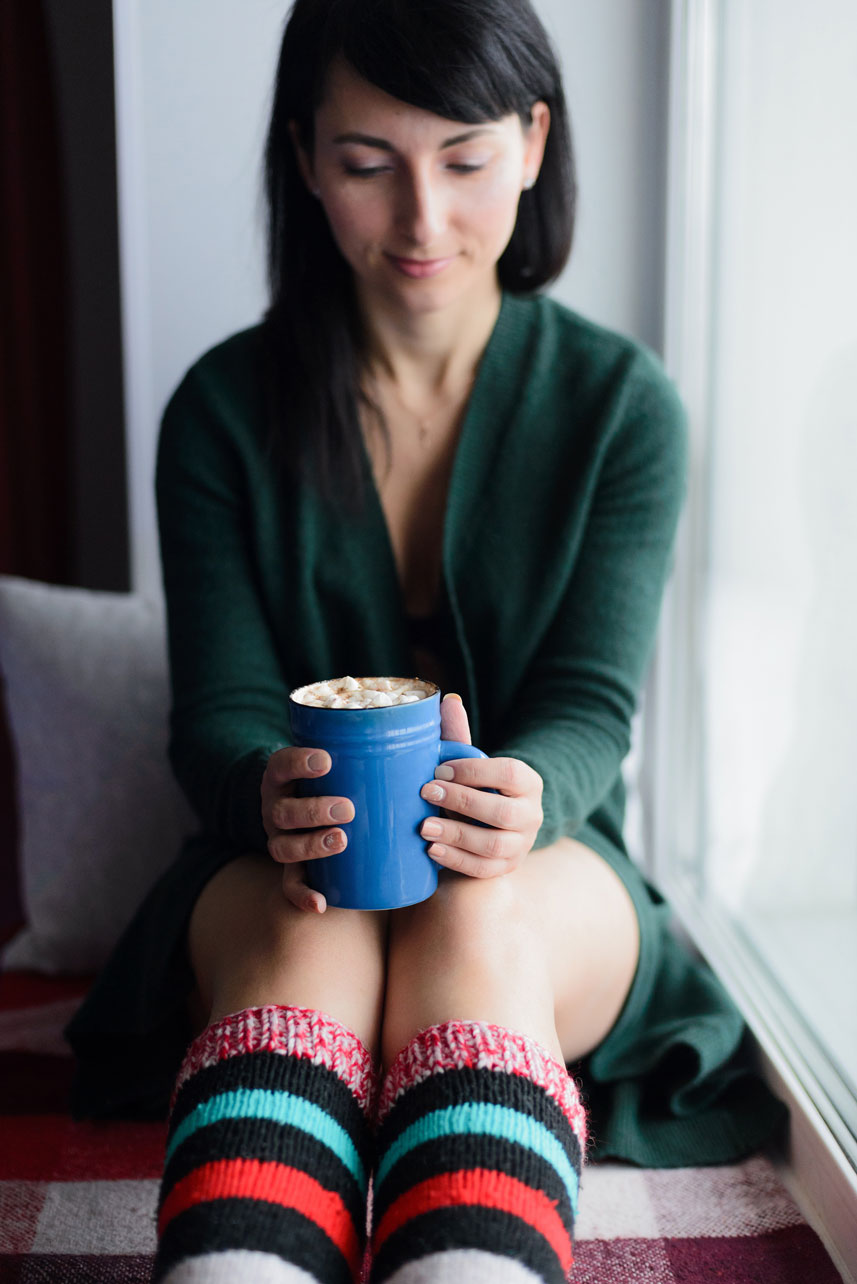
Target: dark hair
465, 60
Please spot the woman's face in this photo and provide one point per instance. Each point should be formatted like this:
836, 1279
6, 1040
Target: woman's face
421, 207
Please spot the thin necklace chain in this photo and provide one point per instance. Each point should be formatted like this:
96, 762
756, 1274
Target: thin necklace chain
424, 422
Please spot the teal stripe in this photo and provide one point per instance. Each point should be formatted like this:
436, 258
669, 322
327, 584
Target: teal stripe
484, 1118
279, 1107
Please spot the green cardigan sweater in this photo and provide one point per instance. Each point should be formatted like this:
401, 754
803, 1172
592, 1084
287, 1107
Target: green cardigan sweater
565, 493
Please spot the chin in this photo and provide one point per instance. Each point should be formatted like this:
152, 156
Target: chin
426, 300
426, 296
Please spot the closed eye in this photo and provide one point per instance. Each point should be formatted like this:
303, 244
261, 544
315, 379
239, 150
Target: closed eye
366, 171
371, 171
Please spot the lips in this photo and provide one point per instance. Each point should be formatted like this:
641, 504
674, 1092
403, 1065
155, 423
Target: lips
419, 268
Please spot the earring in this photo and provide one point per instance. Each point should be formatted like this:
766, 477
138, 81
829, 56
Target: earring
529, 183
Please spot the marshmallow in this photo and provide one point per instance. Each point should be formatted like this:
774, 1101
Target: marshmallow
363, 693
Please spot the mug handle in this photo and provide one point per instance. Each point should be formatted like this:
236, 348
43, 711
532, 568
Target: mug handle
457, 749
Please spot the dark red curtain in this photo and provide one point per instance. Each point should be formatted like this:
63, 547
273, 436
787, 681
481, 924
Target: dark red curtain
34, 438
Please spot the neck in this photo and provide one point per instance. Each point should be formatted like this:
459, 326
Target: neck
434, 352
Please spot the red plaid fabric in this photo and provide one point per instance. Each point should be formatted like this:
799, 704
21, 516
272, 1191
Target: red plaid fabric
77, 1200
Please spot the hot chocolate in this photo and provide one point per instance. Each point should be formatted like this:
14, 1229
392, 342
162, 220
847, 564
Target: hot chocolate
363, 693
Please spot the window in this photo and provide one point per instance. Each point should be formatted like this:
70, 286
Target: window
753, 740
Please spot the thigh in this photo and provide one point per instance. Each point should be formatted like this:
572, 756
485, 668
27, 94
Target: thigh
590, 934
549, 950
248, 947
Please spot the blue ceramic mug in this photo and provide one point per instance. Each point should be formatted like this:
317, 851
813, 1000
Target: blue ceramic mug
380, 759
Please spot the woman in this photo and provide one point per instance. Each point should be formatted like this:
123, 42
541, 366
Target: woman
416, 464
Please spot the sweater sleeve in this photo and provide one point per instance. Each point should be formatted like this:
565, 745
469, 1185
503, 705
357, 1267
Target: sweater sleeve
229, 695
572, 718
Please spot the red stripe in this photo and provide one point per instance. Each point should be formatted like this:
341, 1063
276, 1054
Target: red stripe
275, 1184
488, 1189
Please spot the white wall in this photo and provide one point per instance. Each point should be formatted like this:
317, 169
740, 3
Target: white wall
192, 88
615, 56
192, 82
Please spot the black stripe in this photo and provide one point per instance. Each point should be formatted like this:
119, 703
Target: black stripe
452, 1154
252, 1224
466, 1227
276, 1073
263, 1140
454, 1087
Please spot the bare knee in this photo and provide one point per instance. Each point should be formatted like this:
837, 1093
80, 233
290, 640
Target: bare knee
250, 947
468, 953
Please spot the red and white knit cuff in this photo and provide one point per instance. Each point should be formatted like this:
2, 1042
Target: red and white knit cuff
291, 1031
456, 1045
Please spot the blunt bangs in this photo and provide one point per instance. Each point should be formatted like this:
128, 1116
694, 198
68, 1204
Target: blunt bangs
455, 60
466, 60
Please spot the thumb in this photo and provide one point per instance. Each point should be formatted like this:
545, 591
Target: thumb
299, 894
453, 719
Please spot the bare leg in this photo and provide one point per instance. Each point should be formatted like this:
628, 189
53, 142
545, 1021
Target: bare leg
481, 1135
271, 1114
249, 947
549, 950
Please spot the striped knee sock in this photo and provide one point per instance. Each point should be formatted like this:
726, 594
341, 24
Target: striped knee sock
481, 1135
267, 1153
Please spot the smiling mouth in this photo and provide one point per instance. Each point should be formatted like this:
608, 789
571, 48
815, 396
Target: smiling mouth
419, 268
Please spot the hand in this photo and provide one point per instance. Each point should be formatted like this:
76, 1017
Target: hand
512, 816
298, 828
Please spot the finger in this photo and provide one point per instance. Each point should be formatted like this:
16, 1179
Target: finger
299, 894
492, 844
463, 862
497, 810
297, 764
508, 775
289, 848
454, 724
310, 813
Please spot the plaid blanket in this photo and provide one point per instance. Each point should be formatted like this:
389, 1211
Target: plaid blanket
77, 1200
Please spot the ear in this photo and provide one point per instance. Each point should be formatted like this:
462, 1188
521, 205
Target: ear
303, 158
535, 138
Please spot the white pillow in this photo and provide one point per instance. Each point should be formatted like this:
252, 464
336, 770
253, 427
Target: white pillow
100, 815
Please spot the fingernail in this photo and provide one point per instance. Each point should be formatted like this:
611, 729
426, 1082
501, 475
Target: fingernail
332, 841
434, 793
453, 695
340, 811
317, 761
437, 849
432, 829
444, 772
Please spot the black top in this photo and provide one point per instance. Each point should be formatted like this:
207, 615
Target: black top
434, 647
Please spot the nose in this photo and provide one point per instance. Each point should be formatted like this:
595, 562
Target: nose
420, 211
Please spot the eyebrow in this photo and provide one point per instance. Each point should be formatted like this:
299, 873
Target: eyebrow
383, 145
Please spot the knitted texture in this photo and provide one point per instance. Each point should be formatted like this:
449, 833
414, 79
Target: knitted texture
481, 1137
305, 1032
268, 1151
